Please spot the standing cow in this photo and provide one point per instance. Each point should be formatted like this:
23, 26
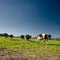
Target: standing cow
44, 37
28, 37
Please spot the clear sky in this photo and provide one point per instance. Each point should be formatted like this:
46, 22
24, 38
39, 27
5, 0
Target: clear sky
30, 17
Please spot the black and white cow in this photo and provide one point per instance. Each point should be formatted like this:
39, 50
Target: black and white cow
43, 37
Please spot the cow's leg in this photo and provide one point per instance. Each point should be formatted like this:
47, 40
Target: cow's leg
46, 41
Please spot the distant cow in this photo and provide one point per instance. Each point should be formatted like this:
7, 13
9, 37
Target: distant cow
28, 37
22, 36
43, 37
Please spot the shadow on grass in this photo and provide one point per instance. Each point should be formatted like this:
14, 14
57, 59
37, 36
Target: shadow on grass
14, 39
38, 42
32, 41
54, 44
57, 39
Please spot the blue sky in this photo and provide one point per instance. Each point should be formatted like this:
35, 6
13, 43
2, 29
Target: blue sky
30, 17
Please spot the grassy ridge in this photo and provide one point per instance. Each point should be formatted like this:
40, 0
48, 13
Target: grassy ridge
17, 45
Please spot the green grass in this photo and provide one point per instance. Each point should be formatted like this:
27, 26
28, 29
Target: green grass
16, 45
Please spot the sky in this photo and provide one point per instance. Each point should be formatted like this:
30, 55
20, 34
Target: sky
30, 17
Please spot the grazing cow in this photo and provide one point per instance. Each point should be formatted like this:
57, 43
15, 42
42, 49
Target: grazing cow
22, 36
28, 37
11, 36
43, 37
39, 38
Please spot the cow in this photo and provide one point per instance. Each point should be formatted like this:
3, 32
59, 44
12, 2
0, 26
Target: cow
44, 37
28, 37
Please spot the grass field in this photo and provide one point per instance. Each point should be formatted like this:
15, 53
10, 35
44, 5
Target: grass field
50, 48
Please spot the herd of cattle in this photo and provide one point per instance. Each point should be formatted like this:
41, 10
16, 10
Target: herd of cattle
27, 37
39, 37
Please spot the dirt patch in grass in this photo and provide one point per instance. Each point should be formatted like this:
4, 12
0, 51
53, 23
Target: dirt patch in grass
4, 55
